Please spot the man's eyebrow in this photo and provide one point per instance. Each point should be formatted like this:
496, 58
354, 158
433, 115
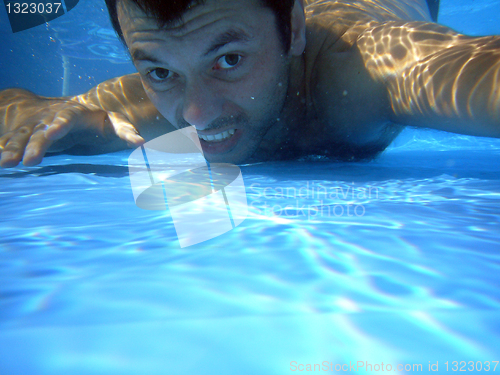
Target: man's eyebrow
140, 55
230, 36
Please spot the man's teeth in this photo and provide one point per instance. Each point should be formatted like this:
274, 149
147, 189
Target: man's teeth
217, 137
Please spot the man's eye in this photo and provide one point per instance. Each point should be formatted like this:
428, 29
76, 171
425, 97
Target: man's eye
160, 74
228, 61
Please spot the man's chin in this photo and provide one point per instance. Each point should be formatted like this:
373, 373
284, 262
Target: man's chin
230, 158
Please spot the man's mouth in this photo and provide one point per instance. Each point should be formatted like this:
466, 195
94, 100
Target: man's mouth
217, 137
220, 142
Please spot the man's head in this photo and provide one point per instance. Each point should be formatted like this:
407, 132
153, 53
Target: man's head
222, 66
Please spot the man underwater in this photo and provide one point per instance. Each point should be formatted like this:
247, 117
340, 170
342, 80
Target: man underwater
269, 80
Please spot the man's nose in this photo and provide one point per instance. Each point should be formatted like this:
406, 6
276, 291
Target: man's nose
201, 105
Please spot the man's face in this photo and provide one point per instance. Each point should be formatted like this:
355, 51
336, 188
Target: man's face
222, 69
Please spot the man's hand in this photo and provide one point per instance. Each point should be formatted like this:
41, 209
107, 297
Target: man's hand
31, 126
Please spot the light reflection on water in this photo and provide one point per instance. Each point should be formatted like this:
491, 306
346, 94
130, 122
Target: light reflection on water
396, 283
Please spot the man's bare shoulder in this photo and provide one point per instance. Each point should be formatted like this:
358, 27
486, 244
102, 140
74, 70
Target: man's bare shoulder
336, 24
380, 10
352, 107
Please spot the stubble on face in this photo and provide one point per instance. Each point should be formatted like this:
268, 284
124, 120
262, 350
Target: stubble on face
269, 135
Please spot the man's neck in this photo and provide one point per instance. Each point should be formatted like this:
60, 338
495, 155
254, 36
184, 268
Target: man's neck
282, 139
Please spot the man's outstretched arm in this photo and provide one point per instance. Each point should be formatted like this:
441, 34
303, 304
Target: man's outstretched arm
107, 118
435, 77
126, 96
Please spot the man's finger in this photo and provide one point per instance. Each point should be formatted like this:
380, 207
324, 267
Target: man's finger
37, 146
4, 139
61, 126
125, 130
13, 151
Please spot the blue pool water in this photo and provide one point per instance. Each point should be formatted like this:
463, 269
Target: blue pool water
394, 261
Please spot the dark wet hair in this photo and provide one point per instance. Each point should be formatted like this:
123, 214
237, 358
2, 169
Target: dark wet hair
166, 11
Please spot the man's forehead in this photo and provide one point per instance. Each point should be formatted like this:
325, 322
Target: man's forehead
132, 18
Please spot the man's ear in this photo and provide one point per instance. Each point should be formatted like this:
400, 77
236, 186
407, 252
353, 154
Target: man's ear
298, 29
